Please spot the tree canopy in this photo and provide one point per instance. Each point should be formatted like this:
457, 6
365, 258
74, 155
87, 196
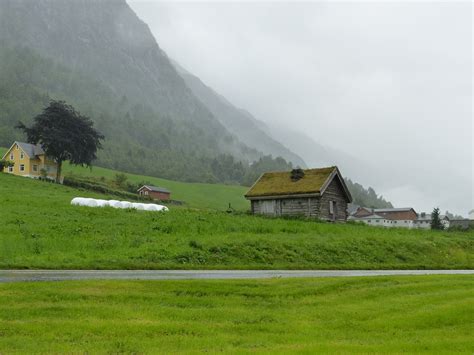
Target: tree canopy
64, 134
435, 220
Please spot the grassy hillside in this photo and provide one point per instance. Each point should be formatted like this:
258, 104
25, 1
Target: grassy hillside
198, 195
40, 229
195, 195
417, 314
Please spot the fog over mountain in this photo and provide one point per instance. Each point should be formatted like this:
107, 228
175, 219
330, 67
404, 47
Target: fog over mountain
388, 83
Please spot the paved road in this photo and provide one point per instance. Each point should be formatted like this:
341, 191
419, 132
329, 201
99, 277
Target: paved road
59, 275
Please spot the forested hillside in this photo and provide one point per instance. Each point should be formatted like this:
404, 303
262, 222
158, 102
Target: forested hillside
239, 122
101, 58
366, 197
137, 139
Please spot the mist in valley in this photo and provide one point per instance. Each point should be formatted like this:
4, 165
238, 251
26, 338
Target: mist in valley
384, 90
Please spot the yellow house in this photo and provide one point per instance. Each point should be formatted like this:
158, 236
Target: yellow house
30, 161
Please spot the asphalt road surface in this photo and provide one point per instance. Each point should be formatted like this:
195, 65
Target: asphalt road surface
60, 275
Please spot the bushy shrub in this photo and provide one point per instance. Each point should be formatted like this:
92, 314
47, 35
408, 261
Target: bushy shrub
99, 186
5, 164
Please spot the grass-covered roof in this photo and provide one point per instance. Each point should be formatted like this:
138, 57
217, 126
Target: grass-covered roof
281, 183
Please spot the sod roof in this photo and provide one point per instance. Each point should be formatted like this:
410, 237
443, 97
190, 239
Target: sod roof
280, 183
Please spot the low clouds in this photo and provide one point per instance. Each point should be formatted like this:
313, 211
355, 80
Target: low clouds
390, 82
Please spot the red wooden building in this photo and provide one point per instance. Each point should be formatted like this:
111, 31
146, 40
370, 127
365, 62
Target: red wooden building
154, 192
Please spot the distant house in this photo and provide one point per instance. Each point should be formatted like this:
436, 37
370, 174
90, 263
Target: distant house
399, 217
471, 215
155, 192
315, 193
386, 217
30, 161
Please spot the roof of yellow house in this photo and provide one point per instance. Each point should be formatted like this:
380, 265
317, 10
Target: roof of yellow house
309, 181
32, 150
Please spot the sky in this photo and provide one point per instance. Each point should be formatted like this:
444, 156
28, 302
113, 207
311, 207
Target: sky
387, 82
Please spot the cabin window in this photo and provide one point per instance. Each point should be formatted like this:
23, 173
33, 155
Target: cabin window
12, 156
146, 193
35, 167
22, 155
22, 167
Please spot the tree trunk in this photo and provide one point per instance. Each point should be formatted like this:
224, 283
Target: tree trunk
58, 172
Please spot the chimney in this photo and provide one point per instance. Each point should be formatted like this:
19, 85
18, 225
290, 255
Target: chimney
297, 174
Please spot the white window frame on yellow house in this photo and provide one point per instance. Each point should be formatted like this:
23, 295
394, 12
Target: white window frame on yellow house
10, 169
22, 167
12, 157
35, 168
22, 155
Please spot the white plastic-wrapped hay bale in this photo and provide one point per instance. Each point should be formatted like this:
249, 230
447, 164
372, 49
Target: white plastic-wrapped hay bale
102, 203
114, 203
80, 201
138, 206
125, 204
91, 202
76, 201
151, 207
155, 207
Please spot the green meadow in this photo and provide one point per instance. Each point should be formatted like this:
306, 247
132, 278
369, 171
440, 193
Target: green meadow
194, 195
40, 229
414, 314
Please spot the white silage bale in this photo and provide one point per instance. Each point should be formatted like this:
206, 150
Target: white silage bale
91, 203
162, 208
102, 203
138, 206
113, 203
76, 201
151, 207
125, 204
81, 201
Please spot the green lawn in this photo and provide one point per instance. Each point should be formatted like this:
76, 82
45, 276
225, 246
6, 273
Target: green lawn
195, 195
409, 314
40, 229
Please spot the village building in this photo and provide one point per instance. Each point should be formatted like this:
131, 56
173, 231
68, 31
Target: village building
386, 217
29, 160
155, 192
313, 193
400, 217
471, 215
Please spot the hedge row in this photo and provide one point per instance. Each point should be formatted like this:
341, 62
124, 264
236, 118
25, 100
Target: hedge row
100, 187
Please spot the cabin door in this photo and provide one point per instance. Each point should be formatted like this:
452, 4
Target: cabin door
269, 207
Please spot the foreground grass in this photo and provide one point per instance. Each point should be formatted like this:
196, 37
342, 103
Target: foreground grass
40, 229
413, 314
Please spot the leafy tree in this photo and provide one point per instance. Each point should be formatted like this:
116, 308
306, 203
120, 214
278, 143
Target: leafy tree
5, 164
120, 180
64, 134
435, 220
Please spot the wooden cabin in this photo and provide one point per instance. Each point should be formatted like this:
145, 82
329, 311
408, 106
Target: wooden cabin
314, 193
155, 192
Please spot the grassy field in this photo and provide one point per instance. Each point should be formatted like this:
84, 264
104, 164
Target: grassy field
409, 314
195, 195
40, 229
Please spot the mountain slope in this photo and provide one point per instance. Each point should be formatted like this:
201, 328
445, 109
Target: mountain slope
239, 122
99, 56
